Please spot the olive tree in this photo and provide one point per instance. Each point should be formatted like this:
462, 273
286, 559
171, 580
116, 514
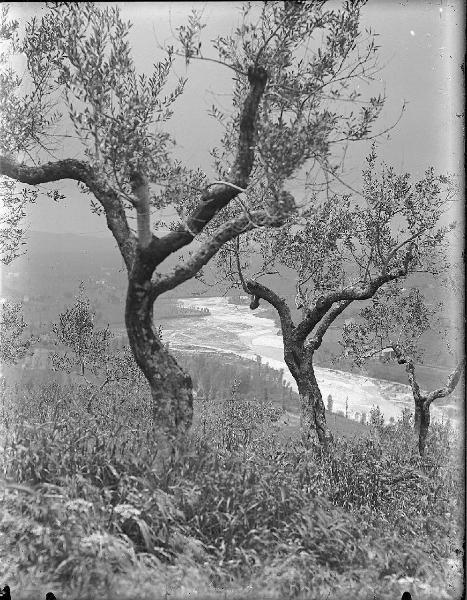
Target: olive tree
293, 65
396, 320
341, 250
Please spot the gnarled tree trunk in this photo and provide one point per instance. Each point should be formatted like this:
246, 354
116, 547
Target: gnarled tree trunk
417, 414
423, 425
422, 420
312, 410
171, 387
313, 426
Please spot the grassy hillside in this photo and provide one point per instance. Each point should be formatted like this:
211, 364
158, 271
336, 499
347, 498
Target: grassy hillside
89, 511
215, 377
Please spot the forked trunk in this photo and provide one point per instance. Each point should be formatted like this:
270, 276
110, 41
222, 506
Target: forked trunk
171, 387
312, 411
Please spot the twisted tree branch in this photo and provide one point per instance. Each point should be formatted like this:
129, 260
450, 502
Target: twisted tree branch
452, 382
226, 232
258, 290
327, 321
81, 171
348, 294
217, 195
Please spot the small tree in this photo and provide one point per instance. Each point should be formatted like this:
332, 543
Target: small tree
397, 319
86, 346
86, 350
15, 344
330, 403
376, 417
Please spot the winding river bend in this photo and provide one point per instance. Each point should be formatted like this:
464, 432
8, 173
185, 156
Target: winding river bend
233, 328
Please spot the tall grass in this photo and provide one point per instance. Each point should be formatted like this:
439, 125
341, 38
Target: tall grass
242, 513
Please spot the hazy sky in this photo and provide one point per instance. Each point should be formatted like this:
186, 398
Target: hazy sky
421, 56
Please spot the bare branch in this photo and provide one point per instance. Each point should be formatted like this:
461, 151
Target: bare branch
56, 171
238, 264
451, 384
140, 188
213, 60
218, 195
82, 172
349, 293
410, 369
327, 321
258, 290
226, 232
399, 246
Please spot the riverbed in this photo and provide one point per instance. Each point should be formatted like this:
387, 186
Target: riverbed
233, 328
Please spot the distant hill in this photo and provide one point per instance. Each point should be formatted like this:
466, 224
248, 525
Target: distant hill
48, 275
55, 263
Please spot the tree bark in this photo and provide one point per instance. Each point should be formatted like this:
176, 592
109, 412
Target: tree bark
421, 422
312, 411
417, 415
299, 359
424, 425
171, 387
313, 426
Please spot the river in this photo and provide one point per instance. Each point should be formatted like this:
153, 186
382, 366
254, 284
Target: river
233, 328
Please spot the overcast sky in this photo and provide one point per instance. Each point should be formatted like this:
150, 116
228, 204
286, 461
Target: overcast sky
421, 57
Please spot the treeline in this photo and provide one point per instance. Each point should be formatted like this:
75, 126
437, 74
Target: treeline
214, 375
168, 310
164, 309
